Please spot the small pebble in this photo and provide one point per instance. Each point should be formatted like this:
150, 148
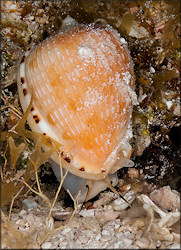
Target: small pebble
119, 235
12, 7
88, 233
127, 242
129, 235
106, 237
152, 70
139, 233
107, 215
30, 203
66, 230
169, 104
120, 205
105, 245
105, 232
116, 245
46, 245
83, 239
142, 243
87, 213
22, 212
63, 245
31, 18
73, 244
61, 239
117, 226
175, 246
98, 237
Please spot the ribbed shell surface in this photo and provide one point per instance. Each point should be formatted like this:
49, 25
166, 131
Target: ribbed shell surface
81, 81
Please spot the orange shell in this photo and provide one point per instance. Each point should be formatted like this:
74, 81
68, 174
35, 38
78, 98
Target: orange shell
82, 81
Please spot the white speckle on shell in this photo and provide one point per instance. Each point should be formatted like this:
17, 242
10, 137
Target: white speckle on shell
85, 52
123, 40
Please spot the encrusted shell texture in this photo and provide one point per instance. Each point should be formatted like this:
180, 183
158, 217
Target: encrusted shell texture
82, 82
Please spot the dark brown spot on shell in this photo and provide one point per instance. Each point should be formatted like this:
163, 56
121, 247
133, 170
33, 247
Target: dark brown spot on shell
65, 157
44, 133
37, 120
82, 169
23, 59
25, 92
103, 170
32, 109
22, 80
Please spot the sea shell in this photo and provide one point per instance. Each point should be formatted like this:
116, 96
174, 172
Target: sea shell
82, 82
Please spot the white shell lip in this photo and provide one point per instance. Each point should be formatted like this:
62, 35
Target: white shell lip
43, 126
